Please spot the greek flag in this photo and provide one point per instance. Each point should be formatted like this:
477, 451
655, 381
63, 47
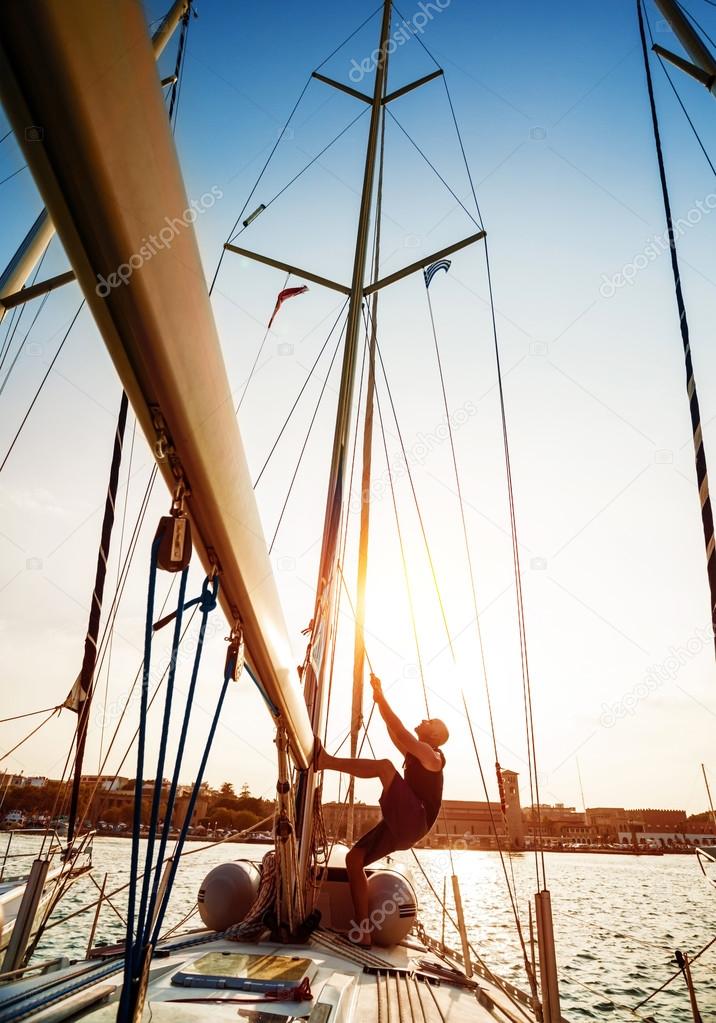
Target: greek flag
430, 271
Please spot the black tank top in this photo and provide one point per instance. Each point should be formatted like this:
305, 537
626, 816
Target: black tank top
427, 785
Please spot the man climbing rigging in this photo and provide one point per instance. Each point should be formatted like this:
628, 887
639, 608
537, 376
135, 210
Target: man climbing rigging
410, 804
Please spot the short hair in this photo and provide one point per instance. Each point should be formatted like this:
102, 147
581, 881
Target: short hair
440, 731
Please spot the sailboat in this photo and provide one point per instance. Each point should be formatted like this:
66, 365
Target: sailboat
21, 920
161, 335
289, 945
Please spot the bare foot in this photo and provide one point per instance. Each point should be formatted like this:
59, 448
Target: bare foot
319, 755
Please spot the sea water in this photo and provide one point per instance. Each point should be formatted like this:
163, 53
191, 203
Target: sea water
618, 919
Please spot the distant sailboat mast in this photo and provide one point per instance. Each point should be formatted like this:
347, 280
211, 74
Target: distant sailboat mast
708, 793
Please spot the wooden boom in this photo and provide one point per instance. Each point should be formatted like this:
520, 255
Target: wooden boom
80, 86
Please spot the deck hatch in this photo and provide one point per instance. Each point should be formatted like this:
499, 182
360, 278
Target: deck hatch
243, 972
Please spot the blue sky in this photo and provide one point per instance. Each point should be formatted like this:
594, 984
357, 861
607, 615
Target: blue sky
555, 121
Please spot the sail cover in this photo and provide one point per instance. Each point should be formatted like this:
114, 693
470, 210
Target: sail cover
84, 76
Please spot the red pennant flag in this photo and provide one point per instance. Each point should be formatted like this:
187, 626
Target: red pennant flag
282, 296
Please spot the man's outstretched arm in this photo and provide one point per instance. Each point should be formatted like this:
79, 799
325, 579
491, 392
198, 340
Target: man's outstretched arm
405, 741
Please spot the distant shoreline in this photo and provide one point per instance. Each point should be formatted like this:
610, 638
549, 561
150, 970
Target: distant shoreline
248, 840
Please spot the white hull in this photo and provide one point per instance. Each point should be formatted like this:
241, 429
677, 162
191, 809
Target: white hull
11, 894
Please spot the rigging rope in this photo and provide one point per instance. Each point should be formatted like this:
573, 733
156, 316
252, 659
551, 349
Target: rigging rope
107, 632
411, 481
179, 69
127, 564
258, 356
526, 681
406, 575
150, 704
463, 521
402, 552
437, 173
145, 902
522, 631
348, 38
497, 981
42, 384
207, 603
305, 441
233, 653
299, 395
693, 20
303, 170
144, 928
343, 545
86, 679
511, 886
28, 714
409, 25
131, 952
702, 478
258, 180
281, 134
37, 728
13, 326
110, 644
14, 174
670, 80
238, 233
675, 976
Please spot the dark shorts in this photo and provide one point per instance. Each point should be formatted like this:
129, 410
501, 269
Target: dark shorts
404, 822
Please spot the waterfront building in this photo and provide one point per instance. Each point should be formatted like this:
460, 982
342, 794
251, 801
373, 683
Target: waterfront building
105, 782
461, 822
12, 780
661, 828
106, 803
560, 825
666, 839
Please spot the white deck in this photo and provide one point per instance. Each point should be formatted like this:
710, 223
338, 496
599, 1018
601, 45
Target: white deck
386, 986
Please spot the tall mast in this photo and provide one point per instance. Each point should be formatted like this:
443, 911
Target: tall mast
353, 327
315, 688
314, 675
359, 641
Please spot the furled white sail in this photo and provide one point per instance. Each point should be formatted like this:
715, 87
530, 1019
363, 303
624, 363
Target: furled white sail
80, 85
